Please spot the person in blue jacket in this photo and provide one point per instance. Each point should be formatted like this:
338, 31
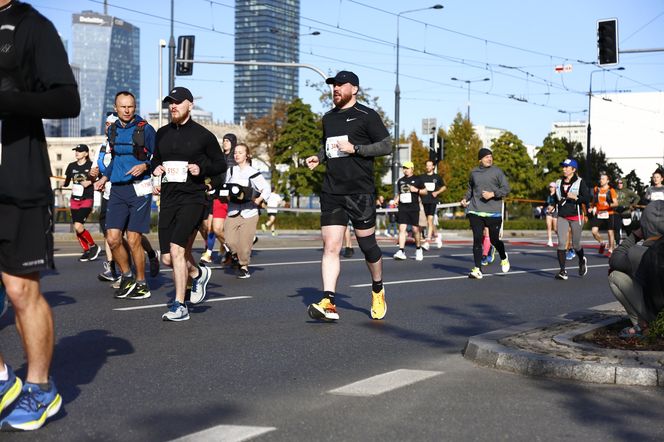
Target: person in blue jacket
131, 142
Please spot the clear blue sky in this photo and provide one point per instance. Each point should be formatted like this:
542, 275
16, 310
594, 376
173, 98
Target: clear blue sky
514, 43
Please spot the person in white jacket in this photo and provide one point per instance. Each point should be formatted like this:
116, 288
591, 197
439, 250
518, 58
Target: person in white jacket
247, 190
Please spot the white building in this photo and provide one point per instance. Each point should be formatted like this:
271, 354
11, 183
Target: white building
573, 131
487, 134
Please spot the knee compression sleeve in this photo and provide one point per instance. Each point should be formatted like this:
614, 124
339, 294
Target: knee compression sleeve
369, 247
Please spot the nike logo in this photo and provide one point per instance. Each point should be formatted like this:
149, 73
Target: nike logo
350, 119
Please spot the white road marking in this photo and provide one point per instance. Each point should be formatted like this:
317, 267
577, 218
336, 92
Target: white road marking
226, 433
448, 278
141, 307
385, 382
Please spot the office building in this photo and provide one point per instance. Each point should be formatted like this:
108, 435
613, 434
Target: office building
106, 49
573, 131
265, 31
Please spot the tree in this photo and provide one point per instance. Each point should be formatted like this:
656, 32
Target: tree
461, 147
598, 163
512, 157
549, 156
418, 153
264, 132
299, 138
632, 181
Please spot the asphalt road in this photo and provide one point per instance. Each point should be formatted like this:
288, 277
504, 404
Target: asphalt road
251, 363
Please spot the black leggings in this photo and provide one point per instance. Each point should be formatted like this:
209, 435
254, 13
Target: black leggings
477, 225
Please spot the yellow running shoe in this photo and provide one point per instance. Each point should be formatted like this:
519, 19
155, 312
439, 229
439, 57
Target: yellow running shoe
323, 310
378, 304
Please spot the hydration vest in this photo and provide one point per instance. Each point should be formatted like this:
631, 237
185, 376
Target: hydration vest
137, 138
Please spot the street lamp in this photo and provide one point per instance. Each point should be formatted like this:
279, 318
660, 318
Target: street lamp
397, 98
160, 106
468, 83
590, 96
569, 121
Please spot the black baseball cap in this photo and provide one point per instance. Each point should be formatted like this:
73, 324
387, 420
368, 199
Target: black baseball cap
344, 77
82, 148
178, 95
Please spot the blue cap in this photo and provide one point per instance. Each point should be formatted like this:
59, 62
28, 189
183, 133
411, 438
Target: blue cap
570, 162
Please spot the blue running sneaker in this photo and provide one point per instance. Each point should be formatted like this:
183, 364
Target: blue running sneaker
9, 389
33, 408
492, 255
3, 303
571, 254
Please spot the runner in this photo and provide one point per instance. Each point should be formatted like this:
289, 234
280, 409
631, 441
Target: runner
82, 198
220, 204
131, 140
603, 202
348, 242
186, 154
247, 190
410, 189
487, 187
655, 192
353, 135
550, 209
36, 82
622, 221
272, 204
435, 185
572, 192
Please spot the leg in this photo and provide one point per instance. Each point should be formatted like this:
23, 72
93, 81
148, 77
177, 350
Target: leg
179, 263
417, 236
630, 294
330, 264
120, 255
595, 233
477, 227
402, 235
137, 254
494, 225
372, 253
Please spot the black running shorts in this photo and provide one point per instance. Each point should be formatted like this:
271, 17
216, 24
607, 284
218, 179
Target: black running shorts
80, 215
337, 210
177, 224
602, 224
429, 208
26, 239
410, 217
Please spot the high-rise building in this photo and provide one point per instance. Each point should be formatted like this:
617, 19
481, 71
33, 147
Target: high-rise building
265, 30
106, 49
67, 127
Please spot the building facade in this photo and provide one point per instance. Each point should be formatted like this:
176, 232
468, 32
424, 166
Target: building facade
572, 131
106, 49
265, 31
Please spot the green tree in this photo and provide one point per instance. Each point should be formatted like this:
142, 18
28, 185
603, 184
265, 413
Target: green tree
510, 154
299, 138
598, 163
418, 153
461, 147
549, 156
264, 132
632, 181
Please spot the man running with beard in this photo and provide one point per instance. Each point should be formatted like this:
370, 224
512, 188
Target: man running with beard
186, 153
353, 135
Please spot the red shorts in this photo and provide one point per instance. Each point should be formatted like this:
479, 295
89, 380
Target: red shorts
219, 209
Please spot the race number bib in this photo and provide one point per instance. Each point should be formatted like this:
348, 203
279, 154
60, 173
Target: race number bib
107, 190
406, 198
143, 187
77, 190
430, 186
602, 214
175, 172
331, 149
657, 196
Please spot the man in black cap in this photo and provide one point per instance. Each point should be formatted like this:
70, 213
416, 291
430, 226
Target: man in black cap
82, 198
487, 188
353, 135
186, 154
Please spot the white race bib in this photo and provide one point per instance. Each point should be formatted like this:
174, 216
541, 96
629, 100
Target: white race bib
657, 196
430, 186
143, 187
77, 189
602, 214
107, 190
175, 171
331, 149
406, 198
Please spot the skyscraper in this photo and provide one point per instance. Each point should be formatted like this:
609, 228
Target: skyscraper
106, 49
265, 30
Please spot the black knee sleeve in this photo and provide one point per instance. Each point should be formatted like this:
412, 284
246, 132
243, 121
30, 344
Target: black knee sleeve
370, 248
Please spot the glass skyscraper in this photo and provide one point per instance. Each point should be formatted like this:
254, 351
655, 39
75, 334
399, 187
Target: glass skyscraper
106, 49
265, 30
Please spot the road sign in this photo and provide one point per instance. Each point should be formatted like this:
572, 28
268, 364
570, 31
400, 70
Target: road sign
561, 69
428, 124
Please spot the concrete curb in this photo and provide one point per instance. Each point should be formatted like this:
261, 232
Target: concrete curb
548, 349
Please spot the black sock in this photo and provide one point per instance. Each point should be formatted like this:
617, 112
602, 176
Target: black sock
152, 254
376, 286
45, 387
579, 253
562, 257
330, 296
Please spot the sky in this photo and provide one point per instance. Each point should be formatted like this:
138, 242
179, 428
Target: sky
516, 44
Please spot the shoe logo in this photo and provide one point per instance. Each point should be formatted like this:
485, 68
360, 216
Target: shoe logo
350, 119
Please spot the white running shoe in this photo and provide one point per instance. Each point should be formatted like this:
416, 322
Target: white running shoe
549, 244
505, 264
475, 273
400, 255
425, 245
439, 242
419, 255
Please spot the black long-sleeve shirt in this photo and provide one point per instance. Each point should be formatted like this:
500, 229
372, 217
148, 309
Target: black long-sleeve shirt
194, 144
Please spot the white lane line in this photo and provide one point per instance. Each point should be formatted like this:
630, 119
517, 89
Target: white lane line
226, 433
141, 307
448, 278
385, 382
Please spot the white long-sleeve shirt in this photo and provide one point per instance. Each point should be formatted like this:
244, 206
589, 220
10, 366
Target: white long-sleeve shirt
239, 176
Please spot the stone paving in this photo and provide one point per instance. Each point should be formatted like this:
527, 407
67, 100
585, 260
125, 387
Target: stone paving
548, 349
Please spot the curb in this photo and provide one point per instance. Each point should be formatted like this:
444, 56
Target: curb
547, 349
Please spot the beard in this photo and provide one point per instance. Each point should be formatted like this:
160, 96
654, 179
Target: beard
340, 100
179, 117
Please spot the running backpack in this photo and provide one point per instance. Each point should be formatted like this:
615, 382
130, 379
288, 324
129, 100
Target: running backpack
137, 139
10, 75
651, 273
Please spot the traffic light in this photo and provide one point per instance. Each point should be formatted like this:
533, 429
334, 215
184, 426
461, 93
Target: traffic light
185, 52
607, 42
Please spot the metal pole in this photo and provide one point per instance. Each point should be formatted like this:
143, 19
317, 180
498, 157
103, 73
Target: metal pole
162, 44
397, 99
171, 53
588, 137
468, 110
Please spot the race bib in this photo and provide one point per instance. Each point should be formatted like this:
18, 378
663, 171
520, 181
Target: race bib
406, 198
77, 190
602, 214
107, 190
430, 186
657, 196
331, 149
224, 192
143, 187
175, 171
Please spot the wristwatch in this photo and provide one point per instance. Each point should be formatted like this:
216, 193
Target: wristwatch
356, 148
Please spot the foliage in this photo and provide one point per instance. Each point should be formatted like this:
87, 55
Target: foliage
510, 154
632, 181
549, 156
461, 147
598, 164
418, 153
299, 138
264, 132
656, 327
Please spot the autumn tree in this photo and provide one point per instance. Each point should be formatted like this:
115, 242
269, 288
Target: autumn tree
461, 147
418, 153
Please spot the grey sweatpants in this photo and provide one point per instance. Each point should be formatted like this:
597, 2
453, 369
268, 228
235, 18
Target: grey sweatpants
563, 226
630, 294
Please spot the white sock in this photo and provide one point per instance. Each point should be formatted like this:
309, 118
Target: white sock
4, 373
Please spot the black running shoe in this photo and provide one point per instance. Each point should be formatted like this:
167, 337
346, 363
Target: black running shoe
94, 252
154, 265
562, 275
127, 284
583, 266
85, 256
243, 273
141, 291
348, 252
